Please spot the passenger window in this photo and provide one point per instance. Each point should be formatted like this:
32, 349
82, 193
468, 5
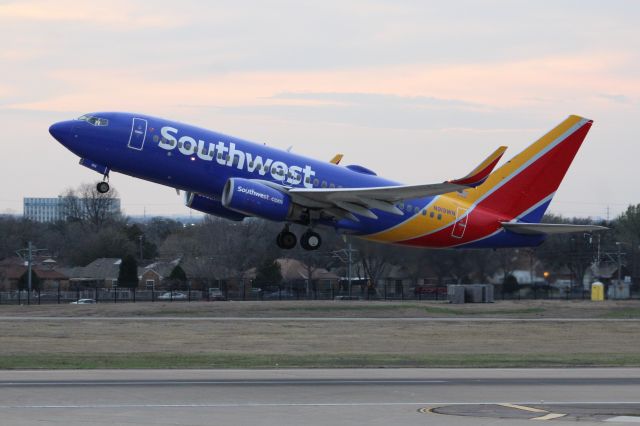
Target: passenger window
332, 185
316, 182
431, 215
439, 216
324, 183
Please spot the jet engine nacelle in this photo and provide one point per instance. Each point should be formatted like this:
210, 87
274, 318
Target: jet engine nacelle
256, 199
208, 205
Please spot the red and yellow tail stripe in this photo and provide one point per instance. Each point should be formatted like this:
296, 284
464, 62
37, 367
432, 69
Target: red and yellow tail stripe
525, 180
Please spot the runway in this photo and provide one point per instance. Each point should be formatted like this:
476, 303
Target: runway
317, 319
319, 397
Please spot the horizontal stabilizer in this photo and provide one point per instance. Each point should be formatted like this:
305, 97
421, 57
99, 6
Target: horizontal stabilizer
549, 228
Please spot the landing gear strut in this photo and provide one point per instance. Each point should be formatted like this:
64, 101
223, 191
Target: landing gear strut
310, 240
286, 239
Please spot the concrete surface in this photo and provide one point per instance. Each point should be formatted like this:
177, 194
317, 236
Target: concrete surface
318, 397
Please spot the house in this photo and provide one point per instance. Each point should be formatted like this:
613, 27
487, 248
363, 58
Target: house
101, 273
13, 272
151, 277
300, 278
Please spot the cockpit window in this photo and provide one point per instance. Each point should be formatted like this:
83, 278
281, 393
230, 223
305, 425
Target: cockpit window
95, 121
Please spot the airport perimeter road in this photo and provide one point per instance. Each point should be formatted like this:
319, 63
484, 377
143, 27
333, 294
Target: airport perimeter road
319, 397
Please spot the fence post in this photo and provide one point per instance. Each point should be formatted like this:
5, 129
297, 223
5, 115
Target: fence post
38, 296
134, 295
77, 293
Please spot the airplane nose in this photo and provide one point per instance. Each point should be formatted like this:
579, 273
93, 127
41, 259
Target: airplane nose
60, 131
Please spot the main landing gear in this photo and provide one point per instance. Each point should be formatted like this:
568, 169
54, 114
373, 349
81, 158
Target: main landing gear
287, 240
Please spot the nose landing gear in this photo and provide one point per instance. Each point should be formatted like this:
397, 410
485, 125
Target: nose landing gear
102, 187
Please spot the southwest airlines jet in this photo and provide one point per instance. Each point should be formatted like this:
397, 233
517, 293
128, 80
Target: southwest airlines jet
233, 178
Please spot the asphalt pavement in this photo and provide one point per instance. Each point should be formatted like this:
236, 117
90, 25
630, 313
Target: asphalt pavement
320, 397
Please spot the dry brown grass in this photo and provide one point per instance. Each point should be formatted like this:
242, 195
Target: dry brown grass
305, 337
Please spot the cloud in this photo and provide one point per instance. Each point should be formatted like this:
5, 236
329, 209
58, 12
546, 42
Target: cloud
390, 100
118, 14
622, 99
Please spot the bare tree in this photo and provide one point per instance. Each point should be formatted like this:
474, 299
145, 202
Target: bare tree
86, 204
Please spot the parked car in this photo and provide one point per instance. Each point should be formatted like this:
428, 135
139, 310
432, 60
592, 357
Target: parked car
280, 295
172, 296
430, 290
216, 294
83, 302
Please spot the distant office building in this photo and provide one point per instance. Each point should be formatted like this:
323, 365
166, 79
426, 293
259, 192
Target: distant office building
59, 208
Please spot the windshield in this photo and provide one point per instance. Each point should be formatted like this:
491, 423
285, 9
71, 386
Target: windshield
95, 121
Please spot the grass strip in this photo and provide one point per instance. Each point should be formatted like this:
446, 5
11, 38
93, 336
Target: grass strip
465, 312
241, 360
622, 313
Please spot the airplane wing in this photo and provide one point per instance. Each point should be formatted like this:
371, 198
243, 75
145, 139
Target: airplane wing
549, 228
345, 202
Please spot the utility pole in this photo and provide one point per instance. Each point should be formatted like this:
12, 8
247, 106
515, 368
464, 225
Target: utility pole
29, 250
349, 266
619, 261
346, 256
27, 256
140, 243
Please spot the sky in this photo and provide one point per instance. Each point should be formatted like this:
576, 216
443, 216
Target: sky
419, 91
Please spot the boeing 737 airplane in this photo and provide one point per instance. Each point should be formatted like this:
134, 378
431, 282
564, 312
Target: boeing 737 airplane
233, 178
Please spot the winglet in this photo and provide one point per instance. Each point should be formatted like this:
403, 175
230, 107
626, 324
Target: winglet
482, 172
336, 159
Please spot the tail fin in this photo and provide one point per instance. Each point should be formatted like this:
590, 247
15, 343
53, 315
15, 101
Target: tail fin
523, 187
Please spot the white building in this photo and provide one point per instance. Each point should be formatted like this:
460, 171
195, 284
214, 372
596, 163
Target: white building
44, 209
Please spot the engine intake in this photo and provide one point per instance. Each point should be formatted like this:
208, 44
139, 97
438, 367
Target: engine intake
256, 199
212, 206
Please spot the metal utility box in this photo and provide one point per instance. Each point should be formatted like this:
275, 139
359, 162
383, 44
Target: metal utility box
455, 294
470, 293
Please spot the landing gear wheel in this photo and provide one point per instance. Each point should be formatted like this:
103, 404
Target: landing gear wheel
103, 187
286, 240
310, 240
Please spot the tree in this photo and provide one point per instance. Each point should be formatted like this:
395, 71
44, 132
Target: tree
23, 282
268, 274
128, 275
510, 284
86, 205
177, 279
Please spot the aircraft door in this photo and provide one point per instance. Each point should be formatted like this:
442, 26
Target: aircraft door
138, 134
461, 223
